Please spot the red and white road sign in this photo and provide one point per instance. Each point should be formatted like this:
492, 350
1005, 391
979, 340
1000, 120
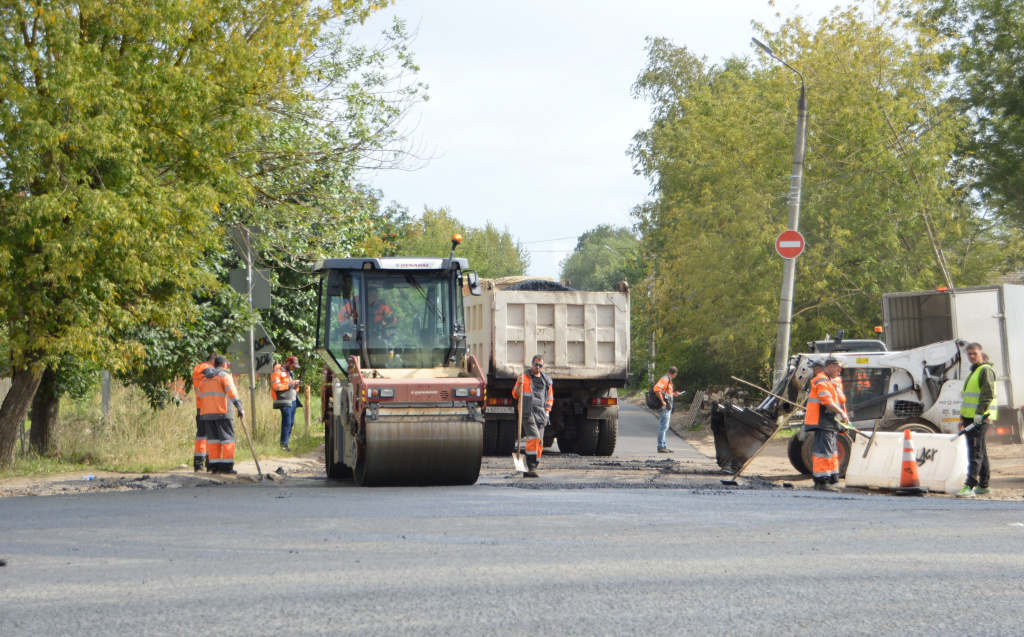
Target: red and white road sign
790, 244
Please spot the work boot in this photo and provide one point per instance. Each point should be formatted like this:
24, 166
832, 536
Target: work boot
966, 492
532, 473
663, 450
982, 490
824, 486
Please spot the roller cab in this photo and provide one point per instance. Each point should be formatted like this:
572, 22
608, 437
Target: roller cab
401, 398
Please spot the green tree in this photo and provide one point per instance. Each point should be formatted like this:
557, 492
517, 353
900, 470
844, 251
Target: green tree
603, 256
492, 252
984, 58
127, 135
878, 210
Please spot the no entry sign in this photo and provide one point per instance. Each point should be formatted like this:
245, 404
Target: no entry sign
790, 244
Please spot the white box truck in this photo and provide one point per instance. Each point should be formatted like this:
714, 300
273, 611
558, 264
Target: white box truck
992, 315
584, 339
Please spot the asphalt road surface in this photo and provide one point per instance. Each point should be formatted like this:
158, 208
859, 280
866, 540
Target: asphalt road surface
307, 557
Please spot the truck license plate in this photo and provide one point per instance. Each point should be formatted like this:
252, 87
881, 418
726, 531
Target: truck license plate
494, 409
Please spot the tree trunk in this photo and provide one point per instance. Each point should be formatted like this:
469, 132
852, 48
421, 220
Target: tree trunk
24, 383
44, 414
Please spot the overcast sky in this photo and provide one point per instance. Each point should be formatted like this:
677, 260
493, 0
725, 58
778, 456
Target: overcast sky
530, 114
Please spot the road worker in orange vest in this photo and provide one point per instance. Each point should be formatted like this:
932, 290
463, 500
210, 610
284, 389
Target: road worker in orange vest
218, 401
199, 452
667, 393
283, 386
537, 385
823, 408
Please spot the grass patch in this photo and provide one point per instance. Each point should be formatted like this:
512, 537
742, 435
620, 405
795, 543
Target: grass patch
136, 439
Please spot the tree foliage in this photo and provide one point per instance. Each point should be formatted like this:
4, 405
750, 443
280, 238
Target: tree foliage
492, 252
985, 60
603, 256
879, 212
129, 137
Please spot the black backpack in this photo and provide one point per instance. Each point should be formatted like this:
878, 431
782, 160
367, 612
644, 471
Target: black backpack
653, 400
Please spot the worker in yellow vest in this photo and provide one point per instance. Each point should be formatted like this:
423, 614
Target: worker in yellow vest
977, 411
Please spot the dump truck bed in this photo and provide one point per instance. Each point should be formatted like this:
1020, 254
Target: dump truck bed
581, 335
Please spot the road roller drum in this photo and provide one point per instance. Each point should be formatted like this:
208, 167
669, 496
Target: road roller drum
423, 452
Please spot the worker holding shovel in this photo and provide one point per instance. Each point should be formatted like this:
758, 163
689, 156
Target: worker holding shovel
823, 408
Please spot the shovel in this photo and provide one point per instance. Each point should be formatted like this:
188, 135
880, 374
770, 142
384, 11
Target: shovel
519, 459
252, 449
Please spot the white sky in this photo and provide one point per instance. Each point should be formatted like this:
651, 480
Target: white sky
530, 114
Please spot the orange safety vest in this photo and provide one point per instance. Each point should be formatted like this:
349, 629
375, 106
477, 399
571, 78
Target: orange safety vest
861, 380
280, 380
837, 382
822, 393
349, 311
215, 393
665, 387
197, 377
525, 385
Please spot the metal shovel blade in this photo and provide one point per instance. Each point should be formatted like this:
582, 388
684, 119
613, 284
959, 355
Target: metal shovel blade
519, 460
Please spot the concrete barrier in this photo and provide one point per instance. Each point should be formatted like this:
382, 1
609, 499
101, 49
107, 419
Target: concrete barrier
941, 463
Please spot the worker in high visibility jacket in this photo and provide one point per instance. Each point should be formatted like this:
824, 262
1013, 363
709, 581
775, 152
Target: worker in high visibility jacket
218, 401
538, 385
667, 393
977, 411
283, 386
199, 449
823, 407
378, 309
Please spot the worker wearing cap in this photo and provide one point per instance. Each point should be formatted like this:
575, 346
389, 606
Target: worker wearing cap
977, 411
217, 401
823, 407
199, 449
667, 393
283, 389
539, 386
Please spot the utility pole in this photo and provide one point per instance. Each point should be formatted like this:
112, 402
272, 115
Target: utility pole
795, 186
252, 335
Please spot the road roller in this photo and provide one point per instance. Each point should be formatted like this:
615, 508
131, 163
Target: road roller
401, 395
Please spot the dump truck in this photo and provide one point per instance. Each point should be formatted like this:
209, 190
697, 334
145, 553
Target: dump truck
402, 399
584, 339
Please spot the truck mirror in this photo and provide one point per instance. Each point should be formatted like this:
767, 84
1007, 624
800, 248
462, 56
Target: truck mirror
474, 284
839, 336
335, 283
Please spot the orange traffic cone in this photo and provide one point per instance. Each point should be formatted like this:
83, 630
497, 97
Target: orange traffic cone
910, 481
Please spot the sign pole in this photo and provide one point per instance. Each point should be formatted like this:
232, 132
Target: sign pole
252, 337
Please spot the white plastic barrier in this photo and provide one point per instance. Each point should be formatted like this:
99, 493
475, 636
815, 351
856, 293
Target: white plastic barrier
941, 463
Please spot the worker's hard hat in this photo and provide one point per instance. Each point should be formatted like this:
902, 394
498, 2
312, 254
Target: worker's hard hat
292, 359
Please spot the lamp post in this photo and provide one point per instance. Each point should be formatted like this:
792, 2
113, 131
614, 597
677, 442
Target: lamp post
789, 265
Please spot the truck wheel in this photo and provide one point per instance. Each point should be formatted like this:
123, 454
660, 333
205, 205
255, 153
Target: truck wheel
490, 437
918, 426
795, 451
506, 438
589, 436
609, 432
565, 445
843, 445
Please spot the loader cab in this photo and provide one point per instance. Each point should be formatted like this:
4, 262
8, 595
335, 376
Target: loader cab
391, 312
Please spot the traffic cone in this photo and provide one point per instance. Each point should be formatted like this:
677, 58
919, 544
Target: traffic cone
910, 481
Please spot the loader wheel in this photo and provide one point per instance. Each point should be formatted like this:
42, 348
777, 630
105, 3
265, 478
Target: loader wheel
609, 432
795, 451
589, 436
843, 445
490, 437
506, 438
918, 427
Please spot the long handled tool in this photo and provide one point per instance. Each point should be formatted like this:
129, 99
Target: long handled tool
252, 449
964, 430
518, 459
854, 429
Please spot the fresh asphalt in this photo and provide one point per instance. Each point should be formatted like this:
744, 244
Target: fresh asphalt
307, 557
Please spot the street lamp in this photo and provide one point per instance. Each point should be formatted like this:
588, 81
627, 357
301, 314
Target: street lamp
789, 265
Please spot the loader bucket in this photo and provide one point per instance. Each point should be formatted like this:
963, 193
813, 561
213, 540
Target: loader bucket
739, 434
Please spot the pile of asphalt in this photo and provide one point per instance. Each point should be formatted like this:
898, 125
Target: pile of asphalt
537, 285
